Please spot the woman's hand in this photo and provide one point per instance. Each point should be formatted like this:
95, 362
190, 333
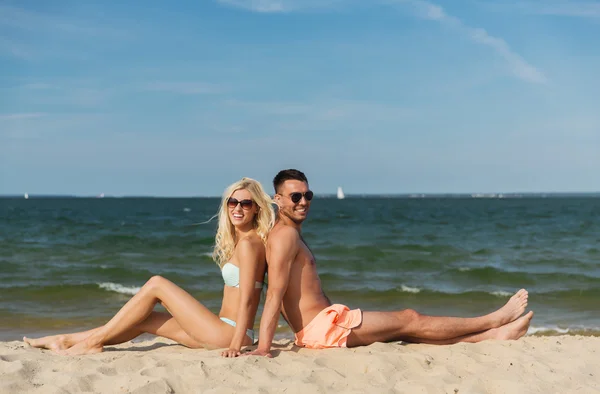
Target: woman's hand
231, 353
258, 352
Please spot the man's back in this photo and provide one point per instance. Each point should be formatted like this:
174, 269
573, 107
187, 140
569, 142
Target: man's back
304, 297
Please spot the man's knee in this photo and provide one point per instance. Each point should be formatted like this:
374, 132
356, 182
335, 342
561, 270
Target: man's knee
409, 315
410, 321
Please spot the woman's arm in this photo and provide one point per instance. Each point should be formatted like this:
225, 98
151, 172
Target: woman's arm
248, 258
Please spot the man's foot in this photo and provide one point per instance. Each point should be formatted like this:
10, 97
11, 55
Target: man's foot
513, 330
51, 342
513, 308
81, 348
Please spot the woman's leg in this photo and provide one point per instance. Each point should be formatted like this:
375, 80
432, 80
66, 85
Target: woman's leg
64, 341
157, 323
161, 324
59, 341
192, 317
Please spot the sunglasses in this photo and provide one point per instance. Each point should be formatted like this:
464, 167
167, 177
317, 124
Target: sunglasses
297, 196
246, 204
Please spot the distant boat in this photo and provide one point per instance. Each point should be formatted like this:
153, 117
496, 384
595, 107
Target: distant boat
340, 194
26, 196
101, 195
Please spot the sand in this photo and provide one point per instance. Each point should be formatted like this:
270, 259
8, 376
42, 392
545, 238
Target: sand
559, 364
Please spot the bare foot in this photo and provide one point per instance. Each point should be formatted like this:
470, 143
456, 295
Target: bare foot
51, 342
513, 308
81, 348
513, 330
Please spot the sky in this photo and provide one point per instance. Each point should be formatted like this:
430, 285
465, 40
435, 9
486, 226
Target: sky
381, 96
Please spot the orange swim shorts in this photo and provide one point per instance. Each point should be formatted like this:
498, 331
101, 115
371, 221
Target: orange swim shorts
330, 328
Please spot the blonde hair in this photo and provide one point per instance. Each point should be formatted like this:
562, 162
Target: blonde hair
263, 221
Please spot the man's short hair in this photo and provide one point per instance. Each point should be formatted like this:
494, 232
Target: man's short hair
286, 175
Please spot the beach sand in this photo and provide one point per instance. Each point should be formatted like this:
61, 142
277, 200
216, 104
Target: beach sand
558, 364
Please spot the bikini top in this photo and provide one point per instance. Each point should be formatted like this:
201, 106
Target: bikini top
231, 276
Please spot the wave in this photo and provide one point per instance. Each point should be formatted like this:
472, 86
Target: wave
118, 288
469, 276
383, 295
501, 293
483, 252
68, 295
131, 242
544, 330
408, 289
555, 330
9, 267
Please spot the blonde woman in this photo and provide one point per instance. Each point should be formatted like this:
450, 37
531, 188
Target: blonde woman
245, 218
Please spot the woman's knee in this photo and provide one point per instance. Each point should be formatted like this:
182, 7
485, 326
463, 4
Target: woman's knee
156, 282
193, 344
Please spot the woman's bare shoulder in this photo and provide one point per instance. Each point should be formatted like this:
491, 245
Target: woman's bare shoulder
250, 244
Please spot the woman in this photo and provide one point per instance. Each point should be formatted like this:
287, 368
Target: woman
245, 218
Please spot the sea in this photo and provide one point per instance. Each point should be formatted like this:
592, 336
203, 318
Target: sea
68, 264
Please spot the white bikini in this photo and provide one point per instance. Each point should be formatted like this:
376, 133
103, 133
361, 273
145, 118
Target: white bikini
231, 277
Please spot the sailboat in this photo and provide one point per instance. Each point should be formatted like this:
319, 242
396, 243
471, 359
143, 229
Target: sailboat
340, 193
26, 196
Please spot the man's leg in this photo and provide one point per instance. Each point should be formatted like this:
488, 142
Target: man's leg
511, 331
393, 326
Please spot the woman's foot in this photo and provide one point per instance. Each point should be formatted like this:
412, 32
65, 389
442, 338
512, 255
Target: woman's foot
84, 347
51, 342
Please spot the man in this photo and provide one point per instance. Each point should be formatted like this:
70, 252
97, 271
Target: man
295, 289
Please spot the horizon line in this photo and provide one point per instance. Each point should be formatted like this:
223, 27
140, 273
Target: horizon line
402, 194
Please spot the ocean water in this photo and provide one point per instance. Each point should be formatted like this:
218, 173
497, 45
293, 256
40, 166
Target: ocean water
71, 263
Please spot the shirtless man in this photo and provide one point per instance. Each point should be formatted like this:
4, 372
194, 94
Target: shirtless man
295, 289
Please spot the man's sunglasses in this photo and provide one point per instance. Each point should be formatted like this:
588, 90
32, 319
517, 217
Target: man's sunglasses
297, 196
246, 204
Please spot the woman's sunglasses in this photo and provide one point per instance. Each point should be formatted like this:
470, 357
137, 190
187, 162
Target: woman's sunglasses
297, 196
246, 204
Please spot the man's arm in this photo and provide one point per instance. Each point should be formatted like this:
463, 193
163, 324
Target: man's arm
281, 254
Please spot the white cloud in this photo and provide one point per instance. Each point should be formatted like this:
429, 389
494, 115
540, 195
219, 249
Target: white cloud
519, 67
14, 49
20, 18
583, 9
320, 115
37, 86
281, 6
272, 108
183, 87
63, 93
18, 116
426, 10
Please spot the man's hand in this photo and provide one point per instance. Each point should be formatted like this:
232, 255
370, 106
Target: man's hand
258, 352
231, 353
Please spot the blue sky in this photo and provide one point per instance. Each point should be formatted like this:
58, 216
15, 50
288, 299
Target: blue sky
380, 96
